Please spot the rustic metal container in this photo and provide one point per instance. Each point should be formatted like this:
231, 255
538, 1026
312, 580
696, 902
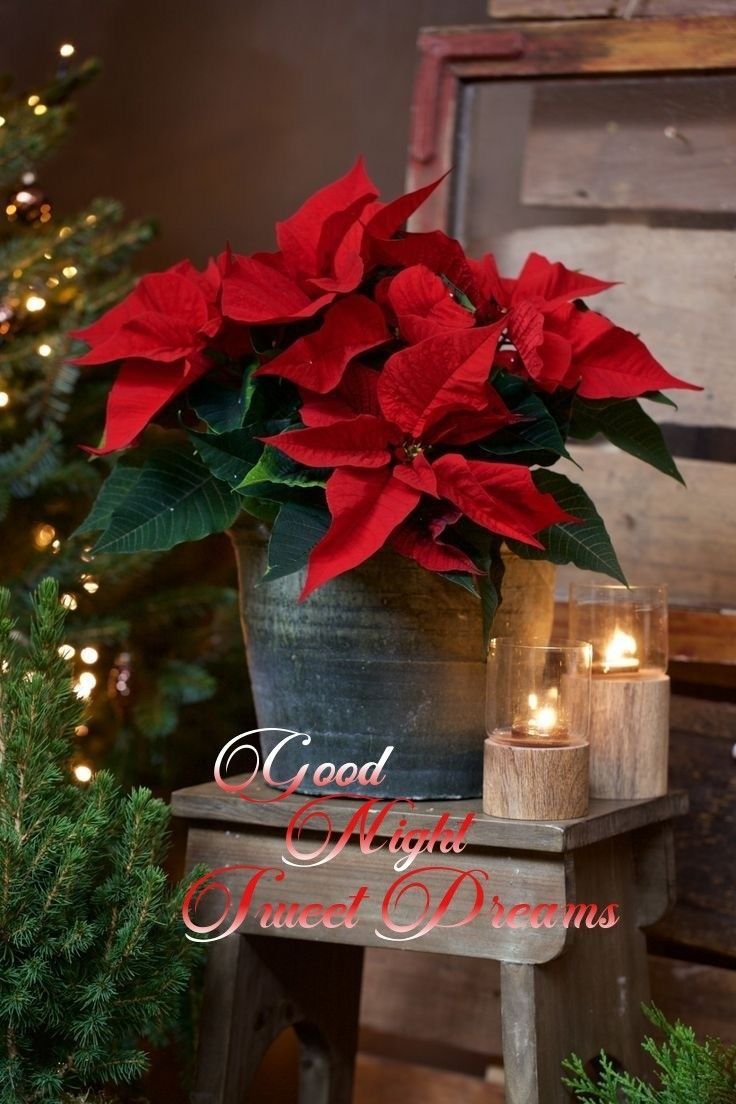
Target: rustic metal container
386, 654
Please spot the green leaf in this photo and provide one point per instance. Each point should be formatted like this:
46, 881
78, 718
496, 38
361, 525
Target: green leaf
584, 543
175, 499
539, 433
627, 427
223, 408
660, 397
295, 532
274, 467
119, 483
462, 579
230, 455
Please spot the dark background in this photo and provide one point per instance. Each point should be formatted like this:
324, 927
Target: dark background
220, 116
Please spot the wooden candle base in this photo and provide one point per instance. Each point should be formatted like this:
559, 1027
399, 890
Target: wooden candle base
629, 735
535, 783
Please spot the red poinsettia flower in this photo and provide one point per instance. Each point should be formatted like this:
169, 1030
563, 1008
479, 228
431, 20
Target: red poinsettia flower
563, 345
423, 304
318, 257
351, 326
159, 332
429, 398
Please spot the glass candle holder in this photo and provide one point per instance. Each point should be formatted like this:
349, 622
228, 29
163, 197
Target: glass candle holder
538, 695
627, 627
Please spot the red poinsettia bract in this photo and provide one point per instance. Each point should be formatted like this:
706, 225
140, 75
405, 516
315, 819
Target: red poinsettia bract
390, 438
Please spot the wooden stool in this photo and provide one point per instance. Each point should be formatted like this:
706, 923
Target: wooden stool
563, 989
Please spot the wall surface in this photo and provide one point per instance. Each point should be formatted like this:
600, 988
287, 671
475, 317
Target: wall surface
219, 116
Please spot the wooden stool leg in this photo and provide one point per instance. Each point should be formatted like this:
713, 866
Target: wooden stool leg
255, 987
586, 1000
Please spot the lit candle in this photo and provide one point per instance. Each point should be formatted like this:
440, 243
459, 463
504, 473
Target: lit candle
619, 656
542, 726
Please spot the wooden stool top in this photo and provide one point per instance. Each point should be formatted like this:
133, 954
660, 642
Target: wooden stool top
605, 819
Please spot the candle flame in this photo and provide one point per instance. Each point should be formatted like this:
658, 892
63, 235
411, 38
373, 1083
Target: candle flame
620, 652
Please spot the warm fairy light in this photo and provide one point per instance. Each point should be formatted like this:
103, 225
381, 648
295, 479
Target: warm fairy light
52, 282
85, 684
2, 120
17, 273
11, 210
68, 601
81, 730
69, 271
44, 350
43, 535
620, 653
33, 100
83, 773
65, 232
91, 220
89, 655
56, 546
91, 586
35, 303
4, 398
66, 651
40, 109
66, 50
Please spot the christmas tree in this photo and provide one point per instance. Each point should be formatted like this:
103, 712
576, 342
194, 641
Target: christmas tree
144, 641
92, 950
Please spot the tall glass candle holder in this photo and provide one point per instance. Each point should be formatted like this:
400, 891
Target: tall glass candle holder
630, 691
537, 714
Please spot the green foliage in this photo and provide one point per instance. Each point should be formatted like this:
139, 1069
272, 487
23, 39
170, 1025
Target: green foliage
586, 543
627, 426
688, 1072
93, 957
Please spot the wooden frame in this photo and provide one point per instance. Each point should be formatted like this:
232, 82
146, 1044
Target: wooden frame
452, 56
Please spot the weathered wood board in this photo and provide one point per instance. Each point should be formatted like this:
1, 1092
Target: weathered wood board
634, 9
678, 293
662, 531
703, 738
628, 145
454, 1002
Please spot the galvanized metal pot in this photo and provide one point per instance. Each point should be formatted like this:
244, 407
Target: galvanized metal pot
386, 654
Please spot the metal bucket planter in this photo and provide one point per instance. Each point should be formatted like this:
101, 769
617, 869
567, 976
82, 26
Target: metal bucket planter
386, 654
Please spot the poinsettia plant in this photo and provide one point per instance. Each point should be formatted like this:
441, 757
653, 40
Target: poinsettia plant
365, 387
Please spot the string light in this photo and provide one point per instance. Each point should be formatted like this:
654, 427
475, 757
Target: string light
44, 350
52, 282
91, 586
85, 684
43, 535
35, 303
66, 50
65, 232
2, 120
17, 273
4, 398
33, 100
83, 773
40, 109
89, 655
66, 651
56, 547
68, 601
81, 730
69, 271
91, 220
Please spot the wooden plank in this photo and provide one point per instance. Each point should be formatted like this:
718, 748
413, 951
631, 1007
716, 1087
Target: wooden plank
208, 802
677, 292
382, 1081
662, 531
456, 1002
612, 144
533, 879
630, 9
699, 995
701, 758
434, 998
